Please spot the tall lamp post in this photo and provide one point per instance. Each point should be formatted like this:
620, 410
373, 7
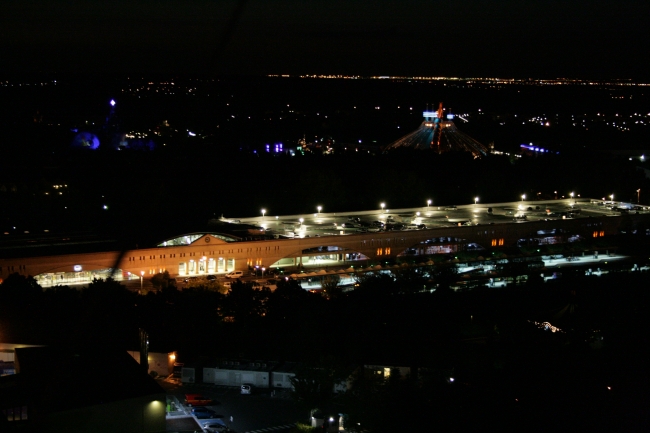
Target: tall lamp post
428, 203
383, 205
523, 197
475, 200
638, 196
574, 202
141, 280
319, 208
263, 212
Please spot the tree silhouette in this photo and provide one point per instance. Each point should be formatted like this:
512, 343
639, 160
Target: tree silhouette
331, 286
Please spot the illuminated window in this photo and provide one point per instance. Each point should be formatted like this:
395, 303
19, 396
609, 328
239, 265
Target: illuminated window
379, 251
387, 250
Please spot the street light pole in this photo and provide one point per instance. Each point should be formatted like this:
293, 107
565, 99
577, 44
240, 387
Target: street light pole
475, 200
141, 280
319, 208
523, 197
638, 196
428, 203
263, 212
383, 205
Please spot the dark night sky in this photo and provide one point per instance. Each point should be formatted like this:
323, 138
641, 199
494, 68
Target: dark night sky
507, 38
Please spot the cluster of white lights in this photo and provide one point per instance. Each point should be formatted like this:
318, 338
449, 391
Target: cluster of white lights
546, 326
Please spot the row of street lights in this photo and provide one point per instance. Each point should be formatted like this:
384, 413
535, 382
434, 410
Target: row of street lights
318, 208
476, 200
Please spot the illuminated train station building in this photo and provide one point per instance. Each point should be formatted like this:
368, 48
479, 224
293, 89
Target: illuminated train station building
212, 253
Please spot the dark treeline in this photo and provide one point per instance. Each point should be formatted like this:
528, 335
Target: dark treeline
508, 372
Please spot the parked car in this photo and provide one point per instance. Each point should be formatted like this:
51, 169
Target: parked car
451, 208
203, 413
211, 277
246, 388
235, 274
197, 400
215, 425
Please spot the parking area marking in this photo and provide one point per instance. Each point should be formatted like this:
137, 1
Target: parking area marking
270, 429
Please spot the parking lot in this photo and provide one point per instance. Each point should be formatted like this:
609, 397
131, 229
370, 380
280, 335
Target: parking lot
345, 223
256, 411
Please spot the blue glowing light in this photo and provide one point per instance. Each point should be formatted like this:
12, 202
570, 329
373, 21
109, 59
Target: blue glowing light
86, 140
536, 149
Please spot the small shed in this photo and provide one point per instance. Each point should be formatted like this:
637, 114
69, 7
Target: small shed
236, 373
282, 374
189, 374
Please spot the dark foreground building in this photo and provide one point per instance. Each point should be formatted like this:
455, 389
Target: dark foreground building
58, 389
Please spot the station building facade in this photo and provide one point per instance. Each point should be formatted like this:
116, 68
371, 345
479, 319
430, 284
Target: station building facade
202, 254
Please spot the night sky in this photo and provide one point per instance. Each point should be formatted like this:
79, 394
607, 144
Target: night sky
509, 38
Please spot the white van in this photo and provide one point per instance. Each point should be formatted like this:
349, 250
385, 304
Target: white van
235, 274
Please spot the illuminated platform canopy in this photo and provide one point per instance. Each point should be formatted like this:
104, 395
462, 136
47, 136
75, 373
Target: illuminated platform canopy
191, 238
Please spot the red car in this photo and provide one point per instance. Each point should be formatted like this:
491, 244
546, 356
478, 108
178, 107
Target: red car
197, 400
